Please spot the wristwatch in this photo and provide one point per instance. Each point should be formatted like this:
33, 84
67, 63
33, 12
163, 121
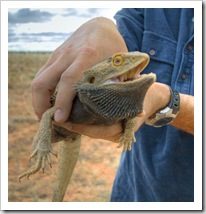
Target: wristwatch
168, 114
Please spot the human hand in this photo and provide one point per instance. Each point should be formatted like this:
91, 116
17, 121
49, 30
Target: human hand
91, 43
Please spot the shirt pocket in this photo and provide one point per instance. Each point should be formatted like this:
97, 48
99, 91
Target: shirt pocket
162, 52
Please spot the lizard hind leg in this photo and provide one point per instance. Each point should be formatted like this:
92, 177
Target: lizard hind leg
41, 146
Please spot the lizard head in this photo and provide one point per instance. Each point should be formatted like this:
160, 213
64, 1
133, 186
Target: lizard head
117, 78
121, 68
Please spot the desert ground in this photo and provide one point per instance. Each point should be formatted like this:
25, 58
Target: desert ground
98, 160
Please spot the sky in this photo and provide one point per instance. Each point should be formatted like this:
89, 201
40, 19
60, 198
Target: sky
39, 29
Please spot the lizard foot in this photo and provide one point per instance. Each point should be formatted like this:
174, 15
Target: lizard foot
41, 156
126, 141
127, 137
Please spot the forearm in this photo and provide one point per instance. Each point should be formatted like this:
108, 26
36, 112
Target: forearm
185, 117
158, 96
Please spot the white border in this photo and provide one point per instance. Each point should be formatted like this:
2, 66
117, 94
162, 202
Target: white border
197, 204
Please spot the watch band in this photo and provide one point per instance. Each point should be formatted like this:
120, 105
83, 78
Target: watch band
166, 115
174, 101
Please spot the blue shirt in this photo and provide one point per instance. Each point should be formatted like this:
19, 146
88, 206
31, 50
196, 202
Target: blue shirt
160, 166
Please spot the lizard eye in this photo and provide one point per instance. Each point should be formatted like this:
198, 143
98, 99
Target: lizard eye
117, 60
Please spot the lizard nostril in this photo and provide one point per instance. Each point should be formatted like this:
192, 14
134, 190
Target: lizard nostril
133, 59
91, 79
109, 59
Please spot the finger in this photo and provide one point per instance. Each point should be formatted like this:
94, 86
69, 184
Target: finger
40, 100
52, 58
44, 86
44, 67
111, 133
66, 92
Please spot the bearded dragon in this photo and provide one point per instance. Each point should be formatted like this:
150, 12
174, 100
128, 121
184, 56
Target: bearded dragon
111, 91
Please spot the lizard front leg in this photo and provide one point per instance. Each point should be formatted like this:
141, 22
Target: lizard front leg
41, 146
128, 137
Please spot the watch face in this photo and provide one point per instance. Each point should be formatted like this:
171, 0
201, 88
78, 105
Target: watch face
163, 121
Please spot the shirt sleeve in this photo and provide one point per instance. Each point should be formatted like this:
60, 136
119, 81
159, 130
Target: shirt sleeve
130, 23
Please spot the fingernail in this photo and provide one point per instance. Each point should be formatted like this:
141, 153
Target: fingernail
59, 116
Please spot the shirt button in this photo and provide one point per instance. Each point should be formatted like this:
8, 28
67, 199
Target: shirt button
189, 47
193, 19
184, 76
152, 52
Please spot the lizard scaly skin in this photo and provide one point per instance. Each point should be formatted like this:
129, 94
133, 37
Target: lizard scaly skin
109, 92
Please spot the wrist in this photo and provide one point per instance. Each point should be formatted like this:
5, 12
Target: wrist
166, 115
157, 97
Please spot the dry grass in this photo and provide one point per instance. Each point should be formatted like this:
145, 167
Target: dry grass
98, 160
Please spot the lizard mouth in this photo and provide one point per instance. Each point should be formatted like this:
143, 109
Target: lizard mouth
130, 75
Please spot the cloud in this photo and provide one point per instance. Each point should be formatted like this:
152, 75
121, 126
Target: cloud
27, 15
46, 28
94, 10
70, 12
82, 12
38, 37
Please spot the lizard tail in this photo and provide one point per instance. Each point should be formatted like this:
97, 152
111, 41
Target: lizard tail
67, 159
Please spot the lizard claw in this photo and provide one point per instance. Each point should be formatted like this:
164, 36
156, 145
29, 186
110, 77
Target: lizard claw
53, 152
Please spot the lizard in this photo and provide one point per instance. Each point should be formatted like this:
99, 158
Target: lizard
110, 91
